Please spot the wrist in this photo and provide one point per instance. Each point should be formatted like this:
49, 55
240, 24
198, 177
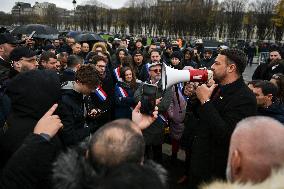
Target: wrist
45, 136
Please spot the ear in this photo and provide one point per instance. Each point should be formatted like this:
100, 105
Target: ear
17, 65
236, 166
232, 68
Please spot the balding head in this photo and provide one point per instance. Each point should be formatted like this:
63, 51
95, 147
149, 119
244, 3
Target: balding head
256, 148
117, 142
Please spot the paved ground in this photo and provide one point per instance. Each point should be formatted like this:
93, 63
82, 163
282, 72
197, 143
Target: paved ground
176, 169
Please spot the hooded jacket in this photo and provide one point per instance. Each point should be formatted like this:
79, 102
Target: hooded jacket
275, 181
71, 112
32, 94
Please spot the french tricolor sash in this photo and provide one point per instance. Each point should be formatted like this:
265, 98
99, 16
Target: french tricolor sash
117, 73
122, 92
147, 67
163, 118
101, 93
180, 87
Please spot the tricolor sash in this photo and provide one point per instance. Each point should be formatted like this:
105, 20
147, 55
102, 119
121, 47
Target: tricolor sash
180, 87
101, 93
147, 67
163, 118
117, 73
122, 92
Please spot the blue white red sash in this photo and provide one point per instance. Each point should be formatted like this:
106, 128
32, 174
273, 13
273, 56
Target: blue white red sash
122, 92
101, 93
180, 87
147, 67
117, 73
163, 118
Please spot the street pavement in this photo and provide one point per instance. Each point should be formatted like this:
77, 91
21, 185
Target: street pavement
176, 169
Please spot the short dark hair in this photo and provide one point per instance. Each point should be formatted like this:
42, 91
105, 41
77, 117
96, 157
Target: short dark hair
74, 60
253, 82
46, 55
267, 88
86, 74
237, 57
155, 50
127, 146
97, 58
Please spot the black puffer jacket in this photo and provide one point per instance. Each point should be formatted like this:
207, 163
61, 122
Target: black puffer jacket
71, 112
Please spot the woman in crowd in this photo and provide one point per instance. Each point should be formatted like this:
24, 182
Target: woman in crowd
177, 107
124, 92
188, 55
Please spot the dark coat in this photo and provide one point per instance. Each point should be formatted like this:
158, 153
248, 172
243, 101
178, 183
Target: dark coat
94, 102
265, 71
123, 104
144, 73
30, 166
276, 111
67, 75
29, 103
207, 63
71, 112
153, 135
212, 128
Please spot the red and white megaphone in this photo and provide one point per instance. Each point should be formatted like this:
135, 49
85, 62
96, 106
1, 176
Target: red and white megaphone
171, 76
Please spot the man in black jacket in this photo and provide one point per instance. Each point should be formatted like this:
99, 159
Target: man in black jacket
101, 99
72, 109
273, 66
267, 103
222, 106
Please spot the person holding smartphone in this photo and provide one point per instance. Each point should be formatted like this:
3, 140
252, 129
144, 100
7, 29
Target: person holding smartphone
154, 134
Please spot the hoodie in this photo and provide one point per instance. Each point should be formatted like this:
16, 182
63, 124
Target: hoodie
32, 94
72, 115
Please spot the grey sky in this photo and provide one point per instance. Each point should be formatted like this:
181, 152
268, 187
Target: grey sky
6, 5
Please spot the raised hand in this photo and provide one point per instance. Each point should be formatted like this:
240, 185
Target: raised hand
49, 124
143, 121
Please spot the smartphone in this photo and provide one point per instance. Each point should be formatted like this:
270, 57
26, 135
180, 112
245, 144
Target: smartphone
148, 99
32, 34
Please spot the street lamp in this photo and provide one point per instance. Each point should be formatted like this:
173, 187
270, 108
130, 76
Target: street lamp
19, 8
74, 5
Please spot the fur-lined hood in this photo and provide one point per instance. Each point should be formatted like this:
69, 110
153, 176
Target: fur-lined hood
72, 171
275, 181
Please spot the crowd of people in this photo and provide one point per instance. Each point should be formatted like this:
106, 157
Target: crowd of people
66, 111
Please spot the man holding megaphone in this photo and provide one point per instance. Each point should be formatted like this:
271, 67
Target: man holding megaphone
222, 106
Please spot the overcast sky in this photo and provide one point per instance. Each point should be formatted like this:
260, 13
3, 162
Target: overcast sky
6, 5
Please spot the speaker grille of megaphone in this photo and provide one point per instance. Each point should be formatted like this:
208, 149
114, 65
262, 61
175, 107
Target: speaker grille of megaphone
171, 76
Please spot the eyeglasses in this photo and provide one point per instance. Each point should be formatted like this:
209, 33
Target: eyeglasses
157, 70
